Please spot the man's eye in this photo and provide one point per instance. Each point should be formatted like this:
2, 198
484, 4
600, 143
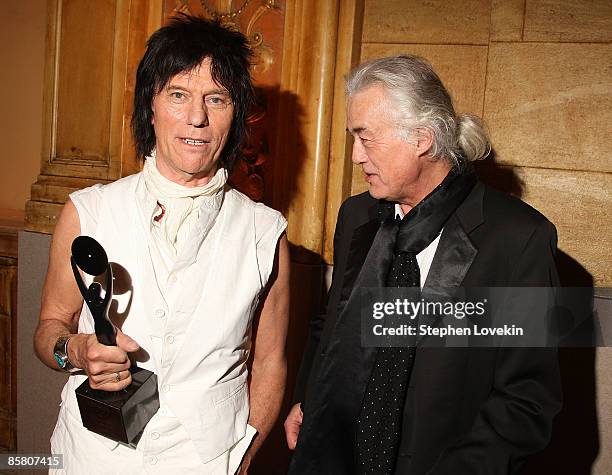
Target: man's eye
177, 95
217, 101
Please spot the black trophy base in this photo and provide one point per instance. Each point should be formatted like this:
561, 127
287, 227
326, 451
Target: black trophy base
120, 415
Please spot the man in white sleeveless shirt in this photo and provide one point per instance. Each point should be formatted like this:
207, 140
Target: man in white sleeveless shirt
208, 273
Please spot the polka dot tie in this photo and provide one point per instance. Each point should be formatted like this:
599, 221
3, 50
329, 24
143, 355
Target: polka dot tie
380, 421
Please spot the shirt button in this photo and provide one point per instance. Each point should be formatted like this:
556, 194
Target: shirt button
166, 388
160, 313
154, 435
163, 411
153, 460
170, 339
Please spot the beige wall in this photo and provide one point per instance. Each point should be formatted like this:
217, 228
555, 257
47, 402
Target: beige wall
22, 46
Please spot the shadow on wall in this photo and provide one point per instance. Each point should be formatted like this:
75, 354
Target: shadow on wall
307, 295
277, 153
574, 444
503, 178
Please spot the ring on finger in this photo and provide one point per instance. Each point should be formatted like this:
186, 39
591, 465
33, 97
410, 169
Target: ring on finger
117, 377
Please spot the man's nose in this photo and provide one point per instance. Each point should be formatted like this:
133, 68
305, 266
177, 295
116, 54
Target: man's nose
358, 155
198, 115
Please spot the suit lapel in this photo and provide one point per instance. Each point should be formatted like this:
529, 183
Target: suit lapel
456, 252
346, 384
453, 257
367, 263
360, 245
357, 250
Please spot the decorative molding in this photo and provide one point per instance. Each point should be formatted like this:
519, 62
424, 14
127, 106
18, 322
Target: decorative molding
123, 27
263, 51
229, 15
182, 6
83, 130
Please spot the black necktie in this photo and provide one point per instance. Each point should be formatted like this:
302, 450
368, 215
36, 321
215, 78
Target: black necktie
379, 425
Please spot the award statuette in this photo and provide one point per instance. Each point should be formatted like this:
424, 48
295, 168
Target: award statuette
118, 415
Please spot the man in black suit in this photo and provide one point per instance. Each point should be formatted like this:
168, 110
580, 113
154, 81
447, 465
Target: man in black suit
418, 409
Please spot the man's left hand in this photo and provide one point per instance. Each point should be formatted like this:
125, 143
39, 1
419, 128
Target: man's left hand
244, 466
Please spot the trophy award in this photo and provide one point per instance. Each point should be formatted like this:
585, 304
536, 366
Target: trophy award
118, 415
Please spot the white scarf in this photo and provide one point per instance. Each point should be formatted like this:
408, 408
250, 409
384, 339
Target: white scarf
181, 207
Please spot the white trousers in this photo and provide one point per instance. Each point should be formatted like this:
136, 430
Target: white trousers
165, 447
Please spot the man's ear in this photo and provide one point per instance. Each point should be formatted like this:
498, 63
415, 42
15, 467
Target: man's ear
152, 111
424, 141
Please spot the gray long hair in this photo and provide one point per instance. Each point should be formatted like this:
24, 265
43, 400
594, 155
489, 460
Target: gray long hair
422, 101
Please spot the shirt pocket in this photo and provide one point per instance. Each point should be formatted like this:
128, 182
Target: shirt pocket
223, 415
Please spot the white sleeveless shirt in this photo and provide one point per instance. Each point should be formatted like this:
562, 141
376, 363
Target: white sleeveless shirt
192, 322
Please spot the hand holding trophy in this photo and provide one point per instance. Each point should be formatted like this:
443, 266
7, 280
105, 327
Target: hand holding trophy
118, 415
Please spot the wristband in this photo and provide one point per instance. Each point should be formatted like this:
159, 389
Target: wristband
60, 354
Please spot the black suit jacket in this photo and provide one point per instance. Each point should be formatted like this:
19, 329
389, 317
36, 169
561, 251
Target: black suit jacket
468, 410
